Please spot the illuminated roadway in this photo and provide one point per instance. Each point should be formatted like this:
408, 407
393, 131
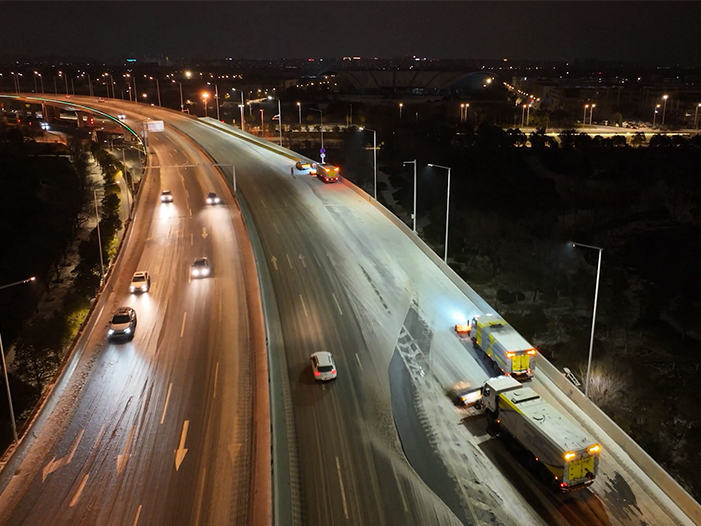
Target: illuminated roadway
345, 280
158, 430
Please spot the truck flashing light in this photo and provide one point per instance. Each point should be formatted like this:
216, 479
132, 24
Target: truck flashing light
462, 328
594, 449
510, 354
569, 455
532, 351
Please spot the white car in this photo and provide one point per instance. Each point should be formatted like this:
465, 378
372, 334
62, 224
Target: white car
140, 282
201, 268
213, 198
166, 196
323, 366
122, 324
122, 117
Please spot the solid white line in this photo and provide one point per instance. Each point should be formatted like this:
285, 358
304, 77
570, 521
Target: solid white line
343, 492
216, 376
337, 304
190, 210
75, 498
182, 328
289, 262
165, 406
317, 260
401, 491
276, 230
358, 358
263, 203
187, 193
138, 512
192, 239
304, 306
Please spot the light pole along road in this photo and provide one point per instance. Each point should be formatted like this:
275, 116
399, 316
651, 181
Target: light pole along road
161, 429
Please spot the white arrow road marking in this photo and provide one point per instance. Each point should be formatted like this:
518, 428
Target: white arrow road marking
337, 304
181, 451
55, 464
165, 406
289, 261
343, 492
204, 233
301, 257
304, 306
122, 459
182, 327
75, 498
274, 261
138, 512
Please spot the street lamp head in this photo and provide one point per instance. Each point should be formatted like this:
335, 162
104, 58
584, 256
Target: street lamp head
270, 97
665, 97
360, 128
33, 278
431, 165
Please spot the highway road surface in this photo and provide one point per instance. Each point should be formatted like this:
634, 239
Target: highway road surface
159, 430
382, 444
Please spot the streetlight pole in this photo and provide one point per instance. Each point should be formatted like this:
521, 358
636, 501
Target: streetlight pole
41, 80
374, 158
528, 114
216, 97
523, 114
205, 96
591, 114
262, 129
413, 216
593, 319
664, 108
696, 118
584, 119
243, 113
321, 128
182, 105
36, 89
299, 107
447, 210
90, 86
654, 115
65, 79
401, 105
4, 366
158, 91
99, 238
279, 116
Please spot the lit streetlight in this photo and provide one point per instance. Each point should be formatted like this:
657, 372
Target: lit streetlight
299, 107
216, 97
158, 90
413, 215
447, 209
279, 116
654, 115
696, 117
4, 363
180, 84
401, 105
593, 318
664, 107
584, 119
205, 96
591, 114
321, 128
41, 79
523, 114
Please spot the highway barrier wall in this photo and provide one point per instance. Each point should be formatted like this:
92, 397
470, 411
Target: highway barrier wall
645, 462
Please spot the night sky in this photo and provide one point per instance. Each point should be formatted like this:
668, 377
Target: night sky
663, 33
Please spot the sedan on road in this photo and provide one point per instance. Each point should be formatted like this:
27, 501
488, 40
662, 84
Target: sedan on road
140, 282
201, 268
323, 366
166, 196
302, 165
213, 199
122, 324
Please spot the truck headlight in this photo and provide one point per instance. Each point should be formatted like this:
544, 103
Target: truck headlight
110, 332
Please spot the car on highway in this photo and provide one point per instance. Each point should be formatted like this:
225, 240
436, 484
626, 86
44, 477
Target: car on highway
98, 100
201, 268
122, 117
122, 324
213, 198
313, 169
323, 366
302, 165
166, 196
140, 282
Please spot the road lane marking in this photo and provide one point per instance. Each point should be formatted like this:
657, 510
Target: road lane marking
54, 464
138, 512
304, 306
216, 377
187, 193
274, 262
182, 327
358, 358
200, 495
304, 264
75, 498
165, 406
289, 261
276, 230
219, 312
317, 260
338, 306
122, 459
399, 486
189, 210
343, 491
192, 239
204, 233
182, 450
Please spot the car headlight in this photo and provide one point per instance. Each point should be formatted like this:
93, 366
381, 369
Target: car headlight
205, 272
110, 332
195, 272
209, 201
132, 289
127, 330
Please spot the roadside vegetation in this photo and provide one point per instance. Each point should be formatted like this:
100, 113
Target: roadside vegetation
47, 224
